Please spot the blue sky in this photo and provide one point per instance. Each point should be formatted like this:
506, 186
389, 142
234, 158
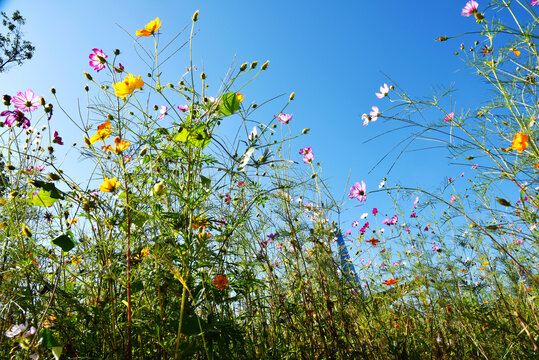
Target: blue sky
332, 54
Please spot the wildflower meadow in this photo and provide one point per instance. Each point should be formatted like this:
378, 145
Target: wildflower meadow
198, 222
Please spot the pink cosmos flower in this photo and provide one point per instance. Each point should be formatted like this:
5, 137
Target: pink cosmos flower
26, 101
374, 113
416, 200
98, 59
364, 228
284, 118
348, 232
449, 117
307, 153
374, 211
534, 2
366, 119
40, 167
15, 116
57, 139
162, 112
358, 191
475, 166
183, 108
384, 90
120, 68
355, 223
470, 8
413, 215
452, 200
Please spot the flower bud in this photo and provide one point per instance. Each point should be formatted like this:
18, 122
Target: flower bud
158, 188
143, 151
243, 67
306, 131
26, 230
54, 177
254, 64
442, 38
87, 141
117, 52
88, 76
265, 65
195, 16
203, 76
292, 96
110, 117
314, 175
13, 194
155, 107
503, 202
254, 106
10, 167
170, 85
53, 90
86, 88
7, 100
43, 102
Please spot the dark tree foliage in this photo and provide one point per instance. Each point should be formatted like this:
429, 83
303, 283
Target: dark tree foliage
13, 48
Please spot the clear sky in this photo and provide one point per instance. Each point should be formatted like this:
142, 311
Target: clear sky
332, 54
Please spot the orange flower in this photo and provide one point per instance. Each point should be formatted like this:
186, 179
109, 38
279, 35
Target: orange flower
515, 51
240, 97
103, 131
119, 146
150, 28
220, 282
373, 241
536, 165
109, 185
520, 142
124, 88
390, 282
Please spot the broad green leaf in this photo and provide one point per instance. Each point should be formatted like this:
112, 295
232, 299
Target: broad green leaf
47, 195
182, 135
198, 137
206, 182
229, 104
47, 339
65, 241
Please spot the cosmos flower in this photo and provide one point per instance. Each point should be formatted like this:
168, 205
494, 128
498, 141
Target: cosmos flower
183, 108
124, 88
150, 28
253, 134
358, 191
15, 116
307, 153
162, 112
520, 142
109, 185
384, 90
534, 2
27, 101
390, 282
374, 113
119, 146
57, 139
373, 241
470, 8
103, 131
284, 118
449, 117
220, 282
98, 59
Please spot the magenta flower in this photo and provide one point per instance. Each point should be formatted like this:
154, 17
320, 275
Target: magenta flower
284, 118
384, 90
120, 68
449, 117
40, 167
307, 153
358, 191
183, 108
57, 139
374, 113
475, 166
470, 8
98, 59
355, 223
413, 215
364, 228
26, 101
15, 116
534, 2
162, 112
374, 211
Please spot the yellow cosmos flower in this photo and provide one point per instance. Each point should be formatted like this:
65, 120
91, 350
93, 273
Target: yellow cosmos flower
240, 97
126, 87
150, 28
520, 142
103, 131
109, 185
119, 146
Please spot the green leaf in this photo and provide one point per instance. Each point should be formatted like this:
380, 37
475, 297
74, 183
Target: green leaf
65, 241
47, 195
206, 182
47, 339
198, 137
229, 104
57, 352
182, 135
